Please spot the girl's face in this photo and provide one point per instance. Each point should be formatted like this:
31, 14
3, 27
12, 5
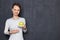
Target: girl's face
16, 10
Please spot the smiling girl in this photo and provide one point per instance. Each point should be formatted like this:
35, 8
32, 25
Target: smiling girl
16, 25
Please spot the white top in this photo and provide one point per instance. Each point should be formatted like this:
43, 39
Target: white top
12, 24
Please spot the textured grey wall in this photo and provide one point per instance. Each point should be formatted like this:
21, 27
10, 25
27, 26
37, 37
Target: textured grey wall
42, 16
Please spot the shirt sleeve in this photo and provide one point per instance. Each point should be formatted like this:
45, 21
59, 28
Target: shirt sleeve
6, 28
24, 30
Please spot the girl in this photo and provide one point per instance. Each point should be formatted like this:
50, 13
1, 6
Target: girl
16, 25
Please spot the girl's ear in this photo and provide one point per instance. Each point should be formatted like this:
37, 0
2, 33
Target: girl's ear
12, 9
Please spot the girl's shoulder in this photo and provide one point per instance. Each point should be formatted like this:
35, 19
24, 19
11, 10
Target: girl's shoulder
9, 19
22, 17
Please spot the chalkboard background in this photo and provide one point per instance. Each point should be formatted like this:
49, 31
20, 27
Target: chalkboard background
42, 17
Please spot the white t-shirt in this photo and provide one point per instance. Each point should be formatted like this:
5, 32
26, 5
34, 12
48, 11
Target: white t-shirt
12, 24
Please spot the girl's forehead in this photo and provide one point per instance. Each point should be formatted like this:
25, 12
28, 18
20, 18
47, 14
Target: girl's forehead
16, 6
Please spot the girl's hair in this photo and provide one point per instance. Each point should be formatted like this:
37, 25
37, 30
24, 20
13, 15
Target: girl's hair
17, 4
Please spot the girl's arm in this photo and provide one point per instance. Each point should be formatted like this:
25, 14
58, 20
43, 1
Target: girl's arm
6, 28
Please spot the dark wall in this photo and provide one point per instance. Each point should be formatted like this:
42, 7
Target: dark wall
42, 17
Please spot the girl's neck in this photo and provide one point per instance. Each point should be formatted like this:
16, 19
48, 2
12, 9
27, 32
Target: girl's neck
15, 17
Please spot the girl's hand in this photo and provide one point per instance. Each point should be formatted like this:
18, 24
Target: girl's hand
24, 27
14, 31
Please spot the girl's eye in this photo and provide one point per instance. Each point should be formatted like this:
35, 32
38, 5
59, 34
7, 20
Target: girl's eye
14, 9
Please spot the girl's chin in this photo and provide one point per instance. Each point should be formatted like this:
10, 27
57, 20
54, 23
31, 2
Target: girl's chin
15, 15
